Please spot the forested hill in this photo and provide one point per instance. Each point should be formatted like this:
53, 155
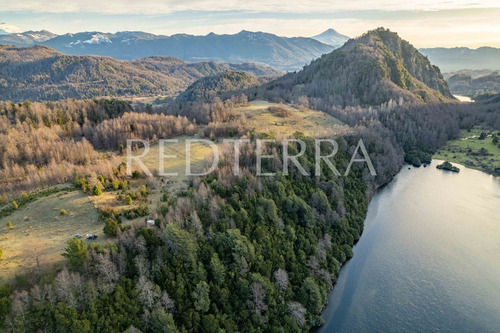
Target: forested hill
40, 73
212, 86
369, 71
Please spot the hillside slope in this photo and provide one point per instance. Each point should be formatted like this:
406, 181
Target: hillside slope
370, 70
41, 73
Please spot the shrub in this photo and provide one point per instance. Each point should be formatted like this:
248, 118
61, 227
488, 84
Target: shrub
97, 190
280, 111
63, 212
128, 200
15, 205
81, 183
494, 140
10, 225
108, 212
136, 174
111, 227
144, 191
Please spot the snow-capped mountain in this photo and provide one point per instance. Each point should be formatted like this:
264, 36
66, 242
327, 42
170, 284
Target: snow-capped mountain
26, 38
282, 53
331, 37
38, 36
98, 39
94, 39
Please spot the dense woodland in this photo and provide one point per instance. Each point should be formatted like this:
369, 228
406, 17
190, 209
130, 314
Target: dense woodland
235, 254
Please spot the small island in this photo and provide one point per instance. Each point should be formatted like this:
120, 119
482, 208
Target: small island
448, 166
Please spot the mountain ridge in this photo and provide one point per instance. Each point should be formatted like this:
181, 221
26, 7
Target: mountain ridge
41, 73
458, 58
283, 53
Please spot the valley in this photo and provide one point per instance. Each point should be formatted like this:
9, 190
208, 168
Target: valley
91, 243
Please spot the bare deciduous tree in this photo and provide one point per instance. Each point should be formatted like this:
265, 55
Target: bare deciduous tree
281, 277
297, 312
258, 297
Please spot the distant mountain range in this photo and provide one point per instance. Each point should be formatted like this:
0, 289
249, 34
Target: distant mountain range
27, 38
283, 53
454, 59
370, 70
258, 47
41, 73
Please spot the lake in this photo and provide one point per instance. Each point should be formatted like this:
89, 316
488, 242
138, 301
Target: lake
428, 259
463, 98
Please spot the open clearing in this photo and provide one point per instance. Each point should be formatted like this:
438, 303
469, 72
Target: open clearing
40, 228
199, 152
467, 151
307, 121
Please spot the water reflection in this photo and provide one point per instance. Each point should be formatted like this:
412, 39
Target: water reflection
428, 260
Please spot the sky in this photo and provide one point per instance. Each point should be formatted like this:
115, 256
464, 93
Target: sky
425, 23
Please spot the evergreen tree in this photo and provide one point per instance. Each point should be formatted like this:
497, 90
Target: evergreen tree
76, 253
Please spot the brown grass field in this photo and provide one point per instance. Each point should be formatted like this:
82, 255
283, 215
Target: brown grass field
40, 227
310, 122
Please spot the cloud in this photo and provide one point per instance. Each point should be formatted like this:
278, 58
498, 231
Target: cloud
149, 7
472, 27
6, 29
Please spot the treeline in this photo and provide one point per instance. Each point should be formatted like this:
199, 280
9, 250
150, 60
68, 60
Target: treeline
44, 144
218, 117
214, 110
113, 133
231, 254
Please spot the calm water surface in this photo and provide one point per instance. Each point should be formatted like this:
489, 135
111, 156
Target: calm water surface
428, 259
